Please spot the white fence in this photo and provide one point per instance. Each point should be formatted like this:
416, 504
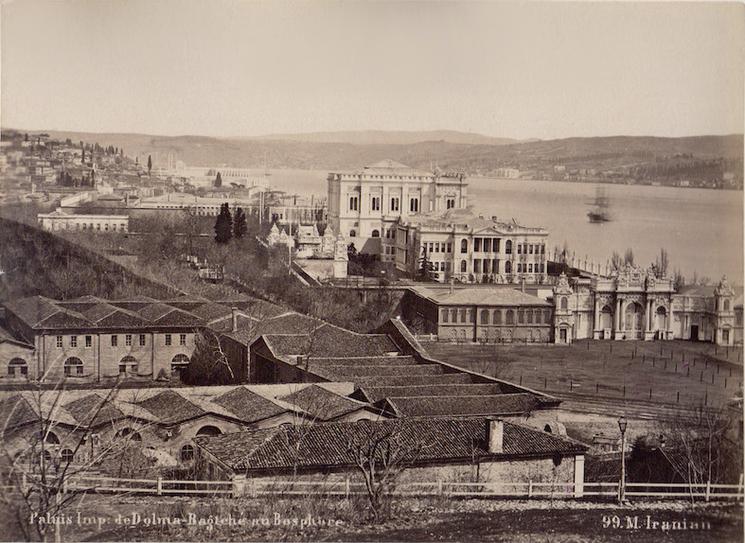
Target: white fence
346, 488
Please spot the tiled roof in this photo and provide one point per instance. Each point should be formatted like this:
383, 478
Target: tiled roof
350, 373
322, 404
406, 380
212, 311
438, 406
33, 309
364, 361
171, 407
248, 406
375, 394
498, 296
330, 341
16, 411
288, 323
423, 440
84, 409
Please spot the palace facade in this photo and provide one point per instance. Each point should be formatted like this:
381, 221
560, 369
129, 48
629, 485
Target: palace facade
468, 249
366, 205
59, 220
631, 304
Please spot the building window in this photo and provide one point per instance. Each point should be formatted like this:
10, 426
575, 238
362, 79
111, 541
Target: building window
519, 248
73, 366
725, 305
168, 339
519, 266
178, 363
142, 340
497, 316
520, 316
17, 367
182, 339
530, 267
476, 245
508, 266
375, 234
354, 203
463, 266
487, 245
495, 245
444, 315
564, 304
485, 317
530, 249
510, 317
450, 248
187, 453
547, 316
128, 364
508, 247
450, 203
463, 246
73, 341
59, 342
352, 233
128, 340
375, 203
67, 455
529, 316
395, 204
114, 340
414, 205
537, 316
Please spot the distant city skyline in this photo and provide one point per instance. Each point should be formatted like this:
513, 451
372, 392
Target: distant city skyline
245, 69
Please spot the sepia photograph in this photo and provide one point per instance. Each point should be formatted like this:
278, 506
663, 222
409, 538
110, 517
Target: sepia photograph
384, 270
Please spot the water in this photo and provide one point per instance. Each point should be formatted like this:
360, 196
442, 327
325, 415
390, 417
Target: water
701, 229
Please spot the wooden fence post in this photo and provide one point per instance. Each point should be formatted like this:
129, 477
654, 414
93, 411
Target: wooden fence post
708, 490
159, 486
530, 485
439, 487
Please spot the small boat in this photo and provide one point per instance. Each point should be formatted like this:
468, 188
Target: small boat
600, 211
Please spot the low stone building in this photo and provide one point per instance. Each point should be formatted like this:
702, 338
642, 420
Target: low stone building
433, 449
59, 220
491, 315
162, 422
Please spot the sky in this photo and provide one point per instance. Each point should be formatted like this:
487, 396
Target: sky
239, 68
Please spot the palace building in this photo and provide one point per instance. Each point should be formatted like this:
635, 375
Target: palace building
468, 249
365, 205
59, 220
631, 304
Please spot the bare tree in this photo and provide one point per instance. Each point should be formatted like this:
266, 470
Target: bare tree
700, 447
381, 452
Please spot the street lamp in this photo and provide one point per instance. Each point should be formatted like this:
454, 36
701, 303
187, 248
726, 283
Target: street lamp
622, 424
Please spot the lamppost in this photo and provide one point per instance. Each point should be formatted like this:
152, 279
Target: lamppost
622, 423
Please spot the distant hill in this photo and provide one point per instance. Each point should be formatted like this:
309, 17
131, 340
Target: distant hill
602, 152
389, 137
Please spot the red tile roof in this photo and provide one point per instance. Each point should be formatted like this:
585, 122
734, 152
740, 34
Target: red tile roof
422, 440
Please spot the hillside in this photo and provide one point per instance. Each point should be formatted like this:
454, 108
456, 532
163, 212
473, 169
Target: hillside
600, 152
389, 137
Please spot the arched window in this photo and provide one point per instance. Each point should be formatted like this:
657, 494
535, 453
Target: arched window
485, 316
352, 233
508, 267
209, 431
17, 367
497, 316
564, 303
67, 455
529, 316
128, 364
463, 246
179, 363
376, 233
187, 453
508, 247
73, 366
510, 317
129, 434
50, 438
463, 266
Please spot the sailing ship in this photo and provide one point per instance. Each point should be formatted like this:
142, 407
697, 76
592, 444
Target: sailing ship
600, 211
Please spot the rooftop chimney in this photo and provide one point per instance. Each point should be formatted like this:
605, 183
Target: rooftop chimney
495, 435
234, 315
